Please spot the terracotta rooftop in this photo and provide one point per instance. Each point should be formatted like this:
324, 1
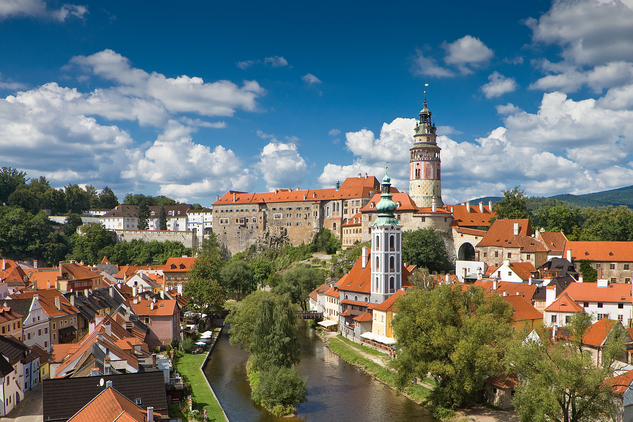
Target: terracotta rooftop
405, 201
387, 305
109, 406
601, 251
363, 317
590, 292
564, 303
553, 241
182, 264
522, 309
471, 215
321, 289
621, 383
501, 234
598, 332
164, 307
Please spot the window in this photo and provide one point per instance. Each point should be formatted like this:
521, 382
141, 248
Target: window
602, 316
509, 255
613, 280
496, 254
586, 304
392, 284
553, 319
567, 319
626, 266
627, 280
612, 266
599, 304
528, 256
485, 254
620, 305
53, 325
598, 265
620, 318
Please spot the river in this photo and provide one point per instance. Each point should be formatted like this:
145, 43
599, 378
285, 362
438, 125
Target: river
337, 391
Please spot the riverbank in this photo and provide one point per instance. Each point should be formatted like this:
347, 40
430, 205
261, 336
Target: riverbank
190, 367
374, 363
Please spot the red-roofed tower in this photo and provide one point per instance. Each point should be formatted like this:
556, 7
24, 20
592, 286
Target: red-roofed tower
425, 184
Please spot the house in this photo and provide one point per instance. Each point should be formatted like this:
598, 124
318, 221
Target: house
604, 300
35, 322
10, 322
161, 316
612, 260
122, 217
524, 315
200, 221
331, 302
12, 278
352, 232
499, 391
623, 390
63, 318
176, 217
145, 282
596, 337
92, 303
317, 298
382, 316
512, 272
559, 311
554, 242
14, 356
539, 299
43, 361
63, 398
176, 271
68, 277
513, 241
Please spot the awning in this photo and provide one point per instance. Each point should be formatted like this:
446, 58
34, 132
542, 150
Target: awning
368, 335
201, 343
67, 330
327, 323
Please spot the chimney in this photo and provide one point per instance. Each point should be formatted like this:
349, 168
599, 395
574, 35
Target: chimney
108, 384
72, 300
580, 278
4, 264
468, 206
111, 291
150, 414
364, 256
106, 366
61, 271
35, 263
547, 281
495, 284
234, 196
550, 295
452, 210
217, 197
365, 175
505, 294
338, 185
448, 278
151, 306
179, 289
530, 281
516, 228
58, 304
480, 274
490, 205
569, 255
434, 204
108, 329
602, 283
554, 332
134, 291
481, 207
91, 327
162, 294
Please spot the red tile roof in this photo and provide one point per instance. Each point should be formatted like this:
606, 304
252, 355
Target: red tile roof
403, 199
110, 406
359, 279
501, 233
590, 292
597, 333
522, 309
472, 232
601, 251
363, 317
522, 269
553, 241
387, 305
355, 220
501, 381
162, 307
321, 289
178, 265
47, 298
564, 303
621, 383
474, 218
332, 292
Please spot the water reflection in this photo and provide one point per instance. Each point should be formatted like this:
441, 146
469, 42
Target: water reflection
336, 390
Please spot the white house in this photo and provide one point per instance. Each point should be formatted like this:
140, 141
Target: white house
122, 217
200, 221
176, 216
604, 300
513, 272
35, 322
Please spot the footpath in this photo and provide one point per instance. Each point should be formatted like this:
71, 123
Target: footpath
345, 351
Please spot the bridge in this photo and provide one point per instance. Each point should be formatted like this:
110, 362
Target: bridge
309, 315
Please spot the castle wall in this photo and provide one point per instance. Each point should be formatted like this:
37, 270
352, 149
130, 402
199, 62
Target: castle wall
187, 238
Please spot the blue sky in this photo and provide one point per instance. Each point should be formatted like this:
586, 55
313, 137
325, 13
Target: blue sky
191, 99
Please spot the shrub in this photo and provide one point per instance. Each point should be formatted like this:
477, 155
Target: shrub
279, 389
186, 345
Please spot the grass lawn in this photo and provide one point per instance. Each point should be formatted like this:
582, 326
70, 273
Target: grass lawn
345, 349
189, 367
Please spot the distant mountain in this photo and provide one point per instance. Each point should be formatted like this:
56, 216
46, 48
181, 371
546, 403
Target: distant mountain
614, 197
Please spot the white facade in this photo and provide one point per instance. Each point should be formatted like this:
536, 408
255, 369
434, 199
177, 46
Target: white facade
200, 221
466, 268
35, 327
120, 223
506, 274
11, 392
386, 262
331, 307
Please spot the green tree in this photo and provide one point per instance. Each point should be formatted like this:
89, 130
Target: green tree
55, 200
425, 248
274, 342
558, 218
453, 335
242, 320
559, 381
211, 249
25, 198
280, 389
237, 277
325, 241
90, 244
93, 196
10, 179
143, 216
589, 274
205, 294
107, 198
77, 199
262, 270
72, 222
513, 205
162, 218
298, 283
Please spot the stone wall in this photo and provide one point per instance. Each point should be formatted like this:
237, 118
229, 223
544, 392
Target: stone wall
187, 238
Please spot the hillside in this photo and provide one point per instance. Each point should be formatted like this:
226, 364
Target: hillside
614, 197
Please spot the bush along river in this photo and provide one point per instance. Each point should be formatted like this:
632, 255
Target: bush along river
336, 390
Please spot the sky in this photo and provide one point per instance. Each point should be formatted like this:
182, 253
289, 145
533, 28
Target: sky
191, 99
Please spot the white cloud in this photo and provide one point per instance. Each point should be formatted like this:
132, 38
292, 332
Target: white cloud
310, 79
498, 85
264, 135
37, 8
427, 66
566, 147
245, 64
276, 61
570, 79
281, 165
334, 132
447, 130
467, 51
197, 122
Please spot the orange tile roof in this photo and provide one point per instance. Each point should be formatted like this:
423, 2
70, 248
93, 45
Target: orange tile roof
516, 289
501, 381
179, 265
501, 233
554, 241
590, 292
402, 198
522, 269
332, 292
352, 187
46, 298
564, 303
162, 307
474, 218
321, 289
469, 231
359, 279
597, 333
601, 251
355, 302
522, 309
10, 271
621, 383
44, 279
387, 305
363, 317
355, 220
109, 406
345, 313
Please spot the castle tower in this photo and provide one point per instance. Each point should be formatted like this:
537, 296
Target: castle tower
424, 170
386, 246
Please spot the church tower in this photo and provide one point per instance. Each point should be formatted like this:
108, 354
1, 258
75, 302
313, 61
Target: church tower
425, 184
386, 246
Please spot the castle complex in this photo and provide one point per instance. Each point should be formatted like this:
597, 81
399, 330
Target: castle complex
241, 219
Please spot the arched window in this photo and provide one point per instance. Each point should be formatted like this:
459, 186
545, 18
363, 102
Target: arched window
376, 283
392, 263
392, 242
392, 284
356, 298
346, 297
377, 242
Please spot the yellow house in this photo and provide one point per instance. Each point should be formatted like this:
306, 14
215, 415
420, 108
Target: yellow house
383, 314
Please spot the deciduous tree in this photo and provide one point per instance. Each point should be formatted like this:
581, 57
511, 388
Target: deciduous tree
513, 205
453, 335
107, 198
298, 282
242, 320
237, 276
425, 248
